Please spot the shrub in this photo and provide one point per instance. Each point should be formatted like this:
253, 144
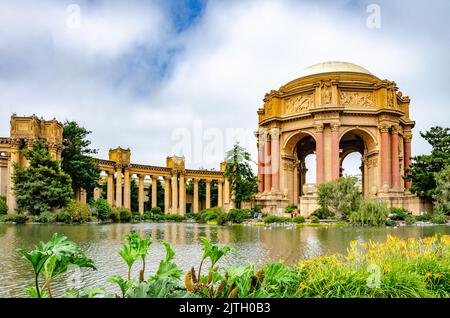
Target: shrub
115, 215
370, 212
101, 208
291, 208
442, 193
174, 217
211, 214
77, 212
16, 218
426, 217
63, 216
298, 219
314, 219
410, 220
398, 214
237, 215
323, 213
341, 197
156, 210
125, 215
3, 205
438, 217
191, 215
45, 217
390, 222
276, 219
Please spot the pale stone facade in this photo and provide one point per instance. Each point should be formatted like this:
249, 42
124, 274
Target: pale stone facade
173, 177
119, 171
332, 110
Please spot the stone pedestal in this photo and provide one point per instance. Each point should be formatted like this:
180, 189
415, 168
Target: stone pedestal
273, 202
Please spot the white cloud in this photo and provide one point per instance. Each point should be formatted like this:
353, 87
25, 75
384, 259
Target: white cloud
238, 51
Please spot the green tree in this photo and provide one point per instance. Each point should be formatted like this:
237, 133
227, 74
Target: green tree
243, 182
159, 196
77, 160
423, 167
340, 197
134, 192
43, 186
442, 192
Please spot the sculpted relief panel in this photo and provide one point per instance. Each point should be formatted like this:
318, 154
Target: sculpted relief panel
357, 99
299, 103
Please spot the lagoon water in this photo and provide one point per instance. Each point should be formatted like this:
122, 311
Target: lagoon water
251, 244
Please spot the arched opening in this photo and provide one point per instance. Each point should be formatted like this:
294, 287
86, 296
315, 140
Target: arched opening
305, 168
352, 149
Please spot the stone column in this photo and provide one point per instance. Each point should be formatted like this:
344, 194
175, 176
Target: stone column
267, 166
335, 167
182, 200
319, 155
385, 178
195, 203
226, 190
127, 189
395, 164
296, 190
174, 193
219, 194
110, 188
208, 193
97, 193
14, 159
275, 158
141, 193
154, 191
407, 154
260, 163
166, 195
119, 186
83, 196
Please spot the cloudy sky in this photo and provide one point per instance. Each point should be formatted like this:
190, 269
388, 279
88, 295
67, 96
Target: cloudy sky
187, 77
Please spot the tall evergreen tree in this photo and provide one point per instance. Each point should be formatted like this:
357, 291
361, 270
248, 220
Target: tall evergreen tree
77, 160
43, 185
424, 167
243, 182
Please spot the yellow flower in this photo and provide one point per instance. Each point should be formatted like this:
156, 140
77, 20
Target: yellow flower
437, 275
387, 267
302, 286
427, 274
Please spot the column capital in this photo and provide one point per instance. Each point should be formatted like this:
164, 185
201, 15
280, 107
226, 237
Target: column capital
395, 129
384, 128
208, 180
275, 132
318, 128
335, 127
15, 143
407, 136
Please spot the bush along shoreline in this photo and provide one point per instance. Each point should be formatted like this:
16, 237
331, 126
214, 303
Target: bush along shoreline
413, 268
369, 213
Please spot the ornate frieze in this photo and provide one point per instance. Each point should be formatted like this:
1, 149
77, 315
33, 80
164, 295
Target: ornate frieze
299, 103
364, 99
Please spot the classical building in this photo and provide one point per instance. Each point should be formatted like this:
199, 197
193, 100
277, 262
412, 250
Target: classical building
118, 171
334, 109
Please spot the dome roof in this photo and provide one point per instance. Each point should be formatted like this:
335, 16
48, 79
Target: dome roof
333, 67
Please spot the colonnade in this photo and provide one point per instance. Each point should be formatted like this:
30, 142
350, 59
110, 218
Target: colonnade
174, 185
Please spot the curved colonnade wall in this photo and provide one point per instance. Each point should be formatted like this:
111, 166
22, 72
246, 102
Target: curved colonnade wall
119, 172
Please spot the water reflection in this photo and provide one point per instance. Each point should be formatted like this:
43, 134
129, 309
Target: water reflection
251, 244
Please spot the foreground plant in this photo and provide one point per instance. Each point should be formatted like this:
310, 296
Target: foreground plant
51, 259
204, 285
